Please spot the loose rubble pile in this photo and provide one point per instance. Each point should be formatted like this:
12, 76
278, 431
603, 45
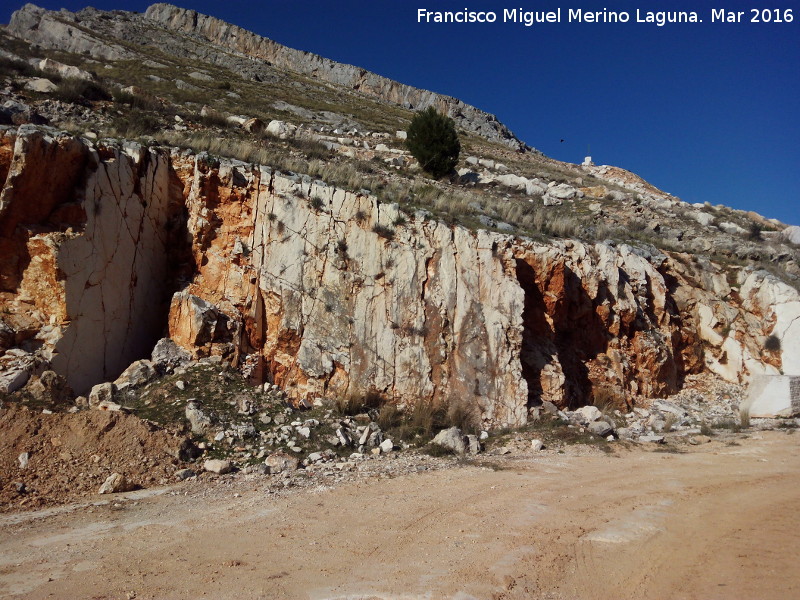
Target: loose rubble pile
703, 403
216, 422
203, 421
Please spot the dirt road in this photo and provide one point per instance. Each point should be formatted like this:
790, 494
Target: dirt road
718, 521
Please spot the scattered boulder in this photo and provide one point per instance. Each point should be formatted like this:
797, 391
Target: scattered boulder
344, 437
280, 129
198, 76
600, 428
703, 218
218, 466
183, 474
732, 228
136, 375
386, 446
254, 125
537, 445
50, 388
281, 462
561, 191
771, 396
41, 85
548, 200
549, 407
696, 440
167, 355
49, 65
115, 484
199, 421
102, 392
451, 439
589, 414
182, 85
792, 234
12, 380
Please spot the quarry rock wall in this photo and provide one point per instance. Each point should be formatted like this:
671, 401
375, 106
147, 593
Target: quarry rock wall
326, 292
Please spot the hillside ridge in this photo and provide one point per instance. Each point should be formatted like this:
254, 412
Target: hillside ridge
26, 23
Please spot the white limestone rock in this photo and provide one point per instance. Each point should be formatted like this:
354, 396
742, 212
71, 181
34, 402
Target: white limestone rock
589, 414
218, 466
452, 439
41, 85
102, 392
773, 396
281, 129
792, 234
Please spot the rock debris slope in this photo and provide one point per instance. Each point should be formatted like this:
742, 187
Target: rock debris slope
328, 292
235, 48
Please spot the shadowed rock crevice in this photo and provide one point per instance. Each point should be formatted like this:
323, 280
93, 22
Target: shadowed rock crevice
561, 334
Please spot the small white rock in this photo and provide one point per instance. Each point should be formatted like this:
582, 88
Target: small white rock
218, 466
537, 445
114, 484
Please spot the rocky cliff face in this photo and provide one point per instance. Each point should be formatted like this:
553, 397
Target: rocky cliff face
326, 292
85, 251
95, 33
240, 40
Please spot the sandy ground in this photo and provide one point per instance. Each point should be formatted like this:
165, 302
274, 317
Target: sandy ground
718, 521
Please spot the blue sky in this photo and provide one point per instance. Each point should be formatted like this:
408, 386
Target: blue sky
706, 111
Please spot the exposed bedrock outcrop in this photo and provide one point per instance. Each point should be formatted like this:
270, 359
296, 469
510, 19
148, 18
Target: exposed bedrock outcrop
327, 292
50, 29
240, 40
85, 234
79, 33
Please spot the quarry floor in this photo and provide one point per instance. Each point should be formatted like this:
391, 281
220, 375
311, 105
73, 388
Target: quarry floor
719, 520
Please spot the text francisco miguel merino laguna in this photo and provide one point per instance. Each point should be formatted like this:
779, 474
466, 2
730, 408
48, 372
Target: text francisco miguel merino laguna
579, 15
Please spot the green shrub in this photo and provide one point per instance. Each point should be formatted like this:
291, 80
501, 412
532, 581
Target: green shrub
389, 416
214, 119
386, 233
136, 101
13, 67
464, 416
136, 123
754, 232
433, 141
76, 91
353, 404
772, 343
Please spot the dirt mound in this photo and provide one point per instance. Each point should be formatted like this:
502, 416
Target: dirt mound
71, 455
